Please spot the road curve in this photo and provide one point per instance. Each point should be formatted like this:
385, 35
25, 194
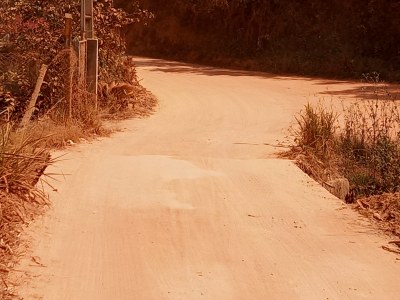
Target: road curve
192, 204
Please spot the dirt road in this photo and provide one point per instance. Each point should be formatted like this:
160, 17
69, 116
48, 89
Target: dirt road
191, 204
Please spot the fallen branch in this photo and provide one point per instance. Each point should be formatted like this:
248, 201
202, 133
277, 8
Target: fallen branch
36, 261
361, 205
278, 145
329, 185
377, 216
9, 249
4, 269
391, 250
397, 243
4, 282
253, 216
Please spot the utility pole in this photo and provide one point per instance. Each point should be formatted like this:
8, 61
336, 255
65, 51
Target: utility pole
87, 23
68, 41
91, 49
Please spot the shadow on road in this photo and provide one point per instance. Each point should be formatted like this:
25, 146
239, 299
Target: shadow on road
368, 91
180, 67
160, 65
340, 88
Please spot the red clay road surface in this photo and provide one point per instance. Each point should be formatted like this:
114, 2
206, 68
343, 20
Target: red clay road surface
191, 204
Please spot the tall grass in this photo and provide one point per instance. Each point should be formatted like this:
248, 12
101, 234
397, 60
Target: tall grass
369, 146
365, 147
315, 130
22, 161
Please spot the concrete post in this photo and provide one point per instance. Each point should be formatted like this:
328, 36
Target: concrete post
92, 68
87, 26
92, 48
82, 52
68, 30
69, 79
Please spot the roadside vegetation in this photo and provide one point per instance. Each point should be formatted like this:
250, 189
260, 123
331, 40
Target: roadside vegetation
335, 38
31, 34
361, 144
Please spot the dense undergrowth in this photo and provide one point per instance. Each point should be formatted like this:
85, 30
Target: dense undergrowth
335, 38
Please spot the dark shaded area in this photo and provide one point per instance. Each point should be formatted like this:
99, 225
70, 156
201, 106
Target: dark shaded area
364, 91
368, 92
181, 67
339, 38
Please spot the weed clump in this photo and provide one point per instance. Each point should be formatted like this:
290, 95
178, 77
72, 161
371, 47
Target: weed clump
22, 162
315, 130
369, 146
364, 147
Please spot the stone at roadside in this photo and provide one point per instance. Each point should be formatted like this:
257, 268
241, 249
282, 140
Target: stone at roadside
339, 187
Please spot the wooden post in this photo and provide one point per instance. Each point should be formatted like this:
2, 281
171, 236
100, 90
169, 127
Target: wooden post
35, 95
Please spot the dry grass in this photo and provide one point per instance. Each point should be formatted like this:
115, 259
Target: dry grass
315, 130
369, 146
119, 101
22, 160
22, 163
